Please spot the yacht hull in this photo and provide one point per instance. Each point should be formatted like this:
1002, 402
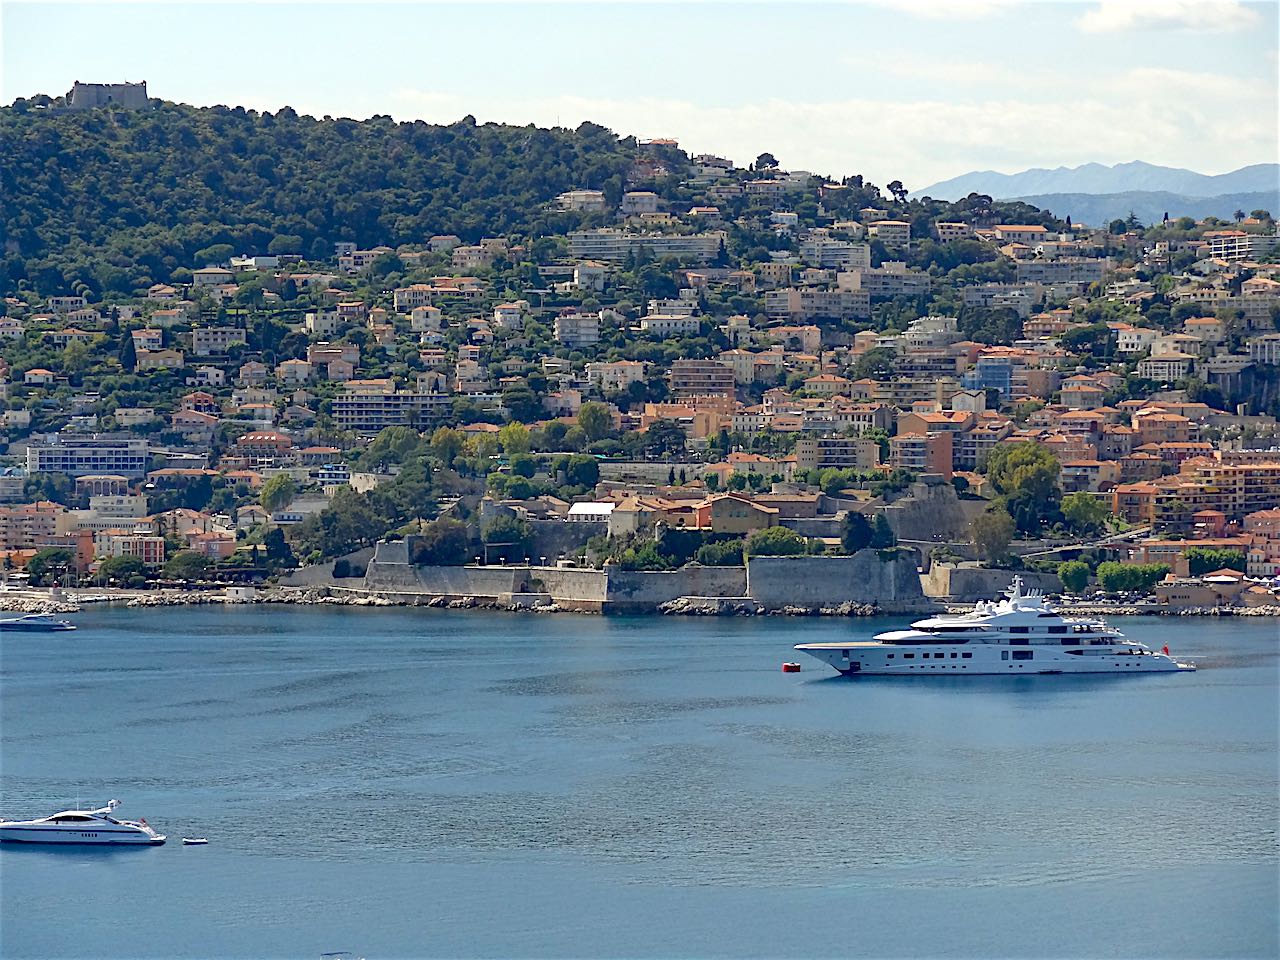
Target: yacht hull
11, 833
876, 659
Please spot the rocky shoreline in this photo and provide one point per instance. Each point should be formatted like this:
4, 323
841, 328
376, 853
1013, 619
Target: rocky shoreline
681, 606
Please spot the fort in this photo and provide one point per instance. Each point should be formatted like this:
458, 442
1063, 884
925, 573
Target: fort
86, 96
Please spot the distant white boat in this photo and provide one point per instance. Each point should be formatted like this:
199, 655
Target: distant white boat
80, 826
194, 841
36, 623
1020, 634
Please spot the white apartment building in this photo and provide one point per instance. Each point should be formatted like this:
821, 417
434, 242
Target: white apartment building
577, 329
824, 251
637, 202
1236, 245
1135, 340
371, 411
211, 340
615, 376
582, 201
1265, 349
947, 232
670, 325
78, 455
892, 233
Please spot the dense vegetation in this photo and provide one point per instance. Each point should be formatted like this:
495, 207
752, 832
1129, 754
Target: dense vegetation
116, 199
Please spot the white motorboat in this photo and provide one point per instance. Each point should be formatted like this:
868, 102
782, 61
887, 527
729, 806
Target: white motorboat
1020, 634
80, 826
36, 623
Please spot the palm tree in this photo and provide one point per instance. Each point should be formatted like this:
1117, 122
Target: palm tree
1239, 215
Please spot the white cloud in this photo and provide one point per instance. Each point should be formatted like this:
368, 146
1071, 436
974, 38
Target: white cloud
1113, 16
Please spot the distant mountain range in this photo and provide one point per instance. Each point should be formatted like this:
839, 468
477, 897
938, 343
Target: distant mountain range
1094, 193
1097, 179
1149, 206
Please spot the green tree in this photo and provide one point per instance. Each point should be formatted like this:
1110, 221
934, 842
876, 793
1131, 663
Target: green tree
582, 470
514, 438
595, 420
1114, 577
186, 565
992, 531
120, 569
347, 524
524, 465
664, 440
392, 445
442, 543
775, 542
878, 363
48, 565
855, 532
278, 492
278, 551
1202, 560
285, 243
521, 402
727, 553
1074, 575
882, 536
1026, 474
1085, 513
213, 255
127, 354
507, 536
446, 444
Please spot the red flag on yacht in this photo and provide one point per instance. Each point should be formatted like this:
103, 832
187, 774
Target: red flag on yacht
1165, 649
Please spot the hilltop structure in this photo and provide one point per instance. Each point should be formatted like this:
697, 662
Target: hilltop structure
86, 96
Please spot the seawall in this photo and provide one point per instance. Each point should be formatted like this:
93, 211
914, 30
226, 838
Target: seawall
886, 581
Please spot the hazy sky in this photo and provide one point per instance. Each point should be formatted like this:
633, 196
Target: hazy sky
917, 90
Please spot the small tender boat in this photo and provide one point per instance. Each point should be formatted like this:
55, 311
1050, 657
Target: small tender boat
194, 841
36, 623
80, 826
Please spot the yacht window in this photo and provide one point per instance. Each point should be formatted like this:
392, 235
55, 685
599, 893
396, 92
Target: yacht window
890, 656
1057, 629
941, 656
1068, 642
1019, 629
953, 656
908, 656
1004, 654
71, 818
1023, 654
1015, 642
967, 656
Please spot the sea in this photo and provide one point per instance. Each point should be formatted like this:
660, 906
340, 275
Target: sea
422, 783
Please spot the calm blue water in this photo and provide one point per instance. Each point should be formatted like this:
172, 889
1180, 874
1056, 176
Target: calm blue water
422, 783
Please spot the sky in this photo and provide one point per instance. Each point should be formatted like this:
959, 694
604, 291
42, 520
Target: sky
913, 90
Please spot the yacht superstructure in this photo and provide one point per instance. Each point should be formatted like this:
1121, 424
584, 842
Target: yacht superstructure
1020, 634
80, 826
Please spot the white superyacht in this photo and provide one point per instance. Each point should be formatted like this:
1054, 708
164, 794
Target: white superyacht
80, 826
1020, 634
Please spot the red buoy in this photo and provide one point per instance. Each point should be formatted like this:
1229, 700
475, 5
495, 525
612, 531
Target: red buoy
791, 667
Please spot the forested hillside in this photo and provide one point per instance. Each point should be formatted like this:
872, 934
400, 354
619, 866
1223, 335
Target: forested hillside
112, 198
